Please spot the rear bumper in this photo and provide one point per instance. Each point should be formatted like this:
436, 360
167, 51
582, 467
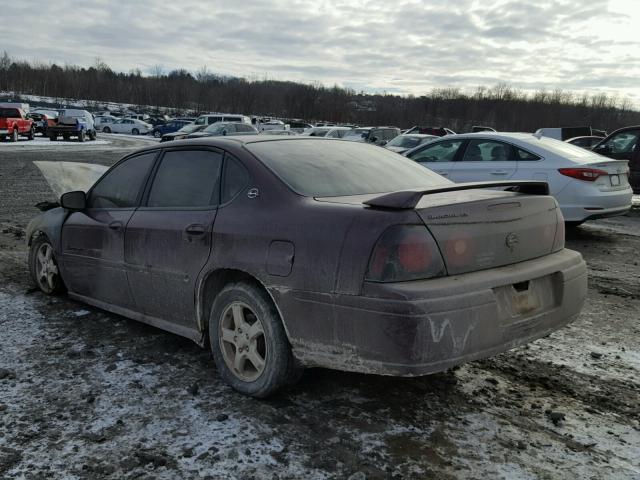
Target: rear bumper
578, 206
423, 327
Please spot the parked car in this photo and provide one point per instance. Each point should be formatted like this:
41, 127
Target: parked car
271, 125
227, 244
565, 133
102, 121
128, 125
15, 123
40, 122
426, 130
623, 144
290, 133
169, 127
208, 119
323, 131
586, 185
299, 127
338, 132
405, 142
72, 123
587, 142
183, 132
376, 135
224, 128
143, 117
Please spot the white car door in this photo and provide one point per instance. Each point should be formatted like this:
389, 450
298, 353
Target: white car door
485, 160
438, 156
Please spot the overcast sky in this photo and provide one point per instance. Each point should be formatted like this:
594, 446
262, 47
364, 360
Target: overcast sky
399, 47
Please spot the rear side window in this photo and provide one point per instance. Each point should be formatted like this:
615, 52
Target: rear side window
487, 151
524, 155
186, 178
120, 187
211, 120
232, 119
438, 152
235, 179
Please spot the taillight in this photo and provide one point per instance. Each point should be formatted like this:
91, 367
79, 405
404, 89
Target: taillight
586, 174
405, 252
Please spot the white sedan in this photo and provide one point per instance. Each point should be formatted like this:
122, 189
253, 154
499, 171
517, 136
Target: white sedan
585, 184
128, 125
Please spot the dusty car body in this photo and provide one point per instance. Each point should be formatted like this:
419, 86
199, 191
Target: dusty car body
304, 245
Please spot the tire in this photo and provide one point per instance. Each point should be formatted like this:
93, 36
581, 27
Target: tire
106, 130
14, 135
135, 131
266, 364
32, 133
82, 136
157, 134
2, 138
43, 266
65, 137
92, 135
53, 137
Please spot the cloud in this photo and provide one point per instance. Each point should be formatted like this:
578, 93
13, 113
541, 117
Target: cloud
408, 46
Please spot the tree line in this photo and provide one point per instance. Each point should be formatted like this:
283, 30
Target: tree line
501, 107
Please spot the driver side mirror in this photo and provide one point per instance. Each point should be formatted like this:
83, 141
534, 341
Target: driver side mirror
76, 200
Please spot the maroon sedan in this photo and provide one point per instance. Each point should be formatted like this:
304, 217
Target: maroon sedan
284, 253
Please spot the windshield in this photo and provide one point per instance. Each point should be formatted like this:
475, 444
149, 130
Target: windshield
357, 134
406, 141
190, 127
330, 168
215, 128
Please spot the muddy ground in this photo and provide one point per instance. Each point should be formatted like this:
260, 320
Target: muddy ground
88, 394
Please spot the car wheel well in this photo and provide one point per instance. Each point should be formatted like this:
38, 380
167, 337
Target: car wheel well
213, 285
35, 235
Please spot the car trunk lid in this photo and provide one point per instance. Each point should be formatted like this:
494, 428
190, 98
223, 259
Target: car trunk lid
617, 177
480, 229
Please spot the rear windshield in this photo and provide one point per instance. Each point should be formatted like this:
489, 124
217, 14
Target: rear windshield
565, 149
9, 113
331, 168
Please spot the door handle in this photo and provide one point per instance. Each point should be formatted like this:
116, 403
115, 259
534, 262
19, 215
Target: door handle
195, 229
116, 225
498, 172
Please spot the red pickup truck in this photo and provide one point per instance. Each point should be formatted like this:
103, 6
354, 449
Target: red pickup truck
13, 123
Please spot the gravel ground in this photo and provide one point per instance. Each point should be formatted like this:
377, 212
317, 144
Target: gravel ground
88, 394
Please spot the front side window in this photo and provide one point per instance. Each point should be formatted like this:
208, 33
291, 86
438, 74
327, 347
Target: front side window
120, 187
186, 178
487, 151
438, 152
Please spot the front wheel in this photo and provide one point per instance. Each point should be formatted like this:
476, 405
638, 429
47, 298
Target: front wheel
92, 135
43, 266
157, 134
135, 131
82, 136
248, 341
14, 135
106, 130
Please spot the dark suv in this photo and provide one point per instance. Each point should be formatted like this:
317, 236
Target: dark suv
623, 145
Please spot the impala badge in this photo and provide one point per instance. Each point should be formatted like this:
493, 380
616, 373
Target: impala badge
512, 241
253, 193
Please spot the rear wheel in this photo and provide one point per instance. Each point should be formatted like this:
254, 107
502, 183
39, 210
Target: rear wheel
248, 342
32, 133
43, 266
53, 137
157, 134
14, 135
135, 131
92, 135
106, 130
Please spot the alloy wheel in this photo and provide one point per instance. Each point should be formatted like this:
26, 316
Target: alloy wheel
46, 268
242, 341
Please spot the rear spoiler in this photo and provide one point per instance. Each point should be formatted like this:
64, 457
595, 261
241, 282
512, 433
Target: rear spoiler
408, 199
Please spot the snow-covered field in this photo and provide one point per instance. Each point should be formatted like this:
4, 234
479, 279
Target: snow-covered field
44, 142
